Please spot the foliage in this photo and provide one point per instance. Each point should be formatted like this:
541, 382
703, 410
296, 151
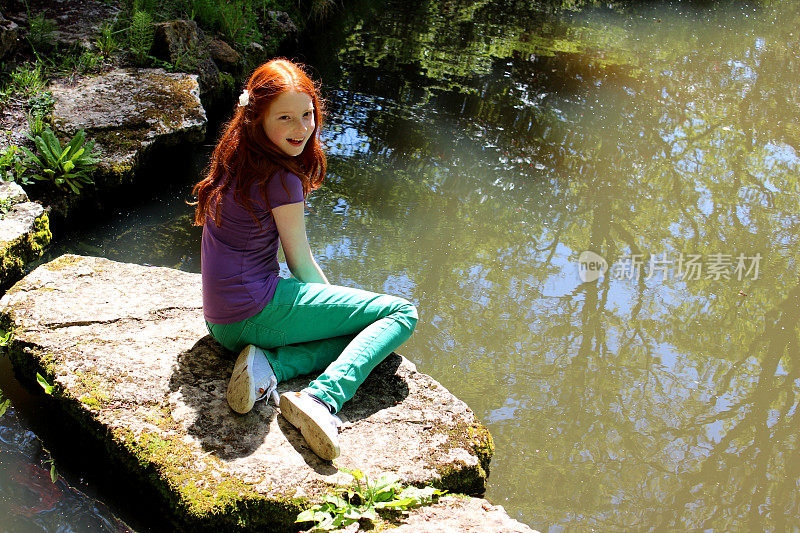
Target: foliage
42, 103
69, 168
363, 502
236, 20
321, 9
106, 42
140, 36
46, 385
3, 404
40, 32
26, 81
36, 122
88, 61
53, 472
12, 168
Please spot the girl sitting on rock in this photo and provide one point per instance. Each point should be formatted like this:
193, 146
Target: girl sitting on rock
267, 161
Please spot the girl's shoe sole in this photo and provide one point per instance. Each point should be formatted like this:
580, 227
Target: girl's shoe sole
317, 439
241, 393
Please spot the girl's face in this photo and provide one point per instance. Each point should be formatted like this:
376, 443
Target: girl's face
289, 122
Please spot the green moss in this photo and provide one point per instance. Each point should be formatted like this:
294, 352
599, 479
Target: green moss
458, 477
24, 249
60, 263
91, 392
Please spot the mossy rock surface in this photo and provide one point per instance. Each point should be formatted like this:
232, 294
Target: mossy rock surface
128, 352
24, 232
129, 112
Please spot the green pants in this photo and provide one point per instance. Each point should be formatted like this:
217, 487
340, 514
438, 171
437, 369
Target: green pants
311, 327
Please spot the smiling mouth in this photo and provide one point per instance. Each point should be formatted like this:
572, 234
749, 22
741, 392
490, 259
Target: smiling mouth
295, 142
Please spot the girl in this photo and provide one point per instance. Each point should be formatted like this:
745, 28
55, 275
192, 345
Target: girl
268, 159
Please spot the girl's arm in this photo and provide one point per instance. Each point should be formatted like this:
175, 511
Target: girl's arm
291, 224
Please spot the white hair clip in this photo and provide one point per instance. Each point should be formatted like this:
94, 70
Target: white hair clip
244, 98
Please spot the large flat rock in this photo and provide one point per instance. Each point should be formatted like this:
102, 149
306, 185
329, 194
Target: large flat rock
128, 112
132, 364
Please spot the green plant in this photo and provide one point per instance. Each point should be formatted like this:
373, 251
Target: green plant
40, 32
364, 502
53, 472
46, 385
41, 102
235, 19
26, 81
68, 168
36, 122
140, 36
106, 42
12, 168
321, 9
3, 404
88, 61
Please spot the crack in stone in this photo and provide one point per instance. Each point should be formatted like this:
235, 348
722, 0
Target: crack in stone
59, 325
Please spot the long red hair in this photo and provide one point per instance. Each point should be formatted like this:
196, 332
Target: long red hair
244, 154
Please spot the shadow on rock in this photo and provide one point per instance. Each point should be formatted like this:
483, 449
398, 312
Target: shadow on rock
197, 401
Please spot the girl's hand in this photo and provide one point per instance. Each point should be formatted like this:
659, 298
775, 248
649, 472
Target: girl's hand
291, 224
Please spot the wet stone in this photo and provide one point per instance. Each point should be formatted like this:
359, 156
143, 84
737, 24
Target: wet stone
131, 359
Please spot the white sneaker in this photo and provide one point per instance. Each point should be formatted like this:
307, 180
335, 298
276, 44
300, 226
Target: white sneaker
252, 380
318, 426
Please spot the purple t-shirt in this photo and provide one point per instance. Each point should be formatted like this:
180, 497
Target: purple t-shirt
238, 259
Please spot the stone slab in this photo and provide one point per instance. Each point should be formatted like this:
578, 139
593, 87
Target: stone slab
131, 361
128, 112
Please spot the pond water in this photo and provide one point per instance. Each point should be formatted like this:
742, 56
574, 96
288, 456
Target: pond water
596, 213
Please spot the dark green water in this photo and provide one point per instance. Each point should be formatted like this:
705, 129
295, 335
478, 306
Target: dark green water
478, 148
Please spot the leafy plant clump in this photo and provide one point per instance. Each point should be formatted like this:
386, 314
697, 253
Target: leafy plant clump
140, 36
12, 167
364, 502
26, 82
40, 32
106, 41
68, 168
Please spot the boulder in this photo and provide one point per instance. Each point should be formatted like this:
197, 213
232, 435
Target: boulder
132, 365
128, 112
282, 24
9, 33
24, 231
175, 39
223, 55
182, 43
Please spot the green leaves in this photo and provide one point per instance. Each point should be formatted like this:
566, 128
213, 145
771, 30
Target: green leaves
140, 35
3, 404
363, 502
68, 168
42, 381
